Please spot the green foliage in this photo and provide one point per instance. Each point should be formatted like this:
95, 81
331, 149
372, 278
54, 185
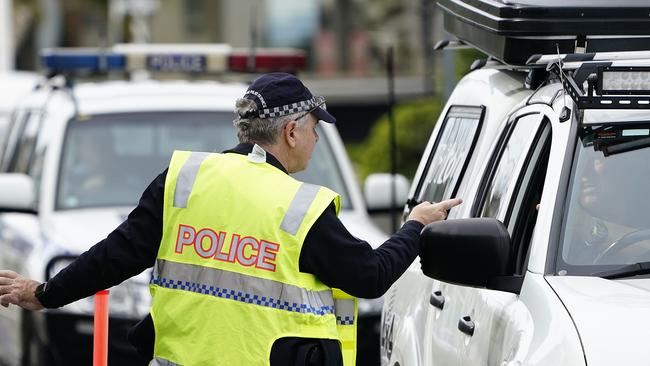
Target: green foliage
464, 59
414, 122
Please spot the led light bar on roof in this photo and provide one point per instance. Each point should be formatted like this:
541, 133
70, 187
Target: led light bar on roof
624, 80
629, 80
185, 58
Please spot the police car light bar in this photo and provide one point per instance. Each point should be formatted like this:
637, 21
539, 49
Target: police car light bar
184, 58
86, 59
190, 58
268, 59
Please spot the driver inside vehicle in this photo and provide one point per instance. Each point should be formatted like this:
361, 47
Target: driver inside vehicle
609, 207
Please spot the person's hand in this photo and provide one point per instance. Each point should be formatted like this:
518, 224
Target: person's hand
427, 213
18, 290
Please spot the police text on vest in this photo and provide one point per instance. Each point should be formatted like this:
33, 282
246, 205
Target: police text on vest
247, 251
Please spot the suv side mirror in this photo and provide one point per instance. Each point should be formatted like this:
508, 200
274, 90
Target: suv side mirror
16, 193
472, 252
377, 191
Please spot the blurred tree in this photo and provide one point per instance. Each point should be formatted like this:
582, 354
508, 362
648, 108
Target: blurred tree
84, 23
414, 122
26, 16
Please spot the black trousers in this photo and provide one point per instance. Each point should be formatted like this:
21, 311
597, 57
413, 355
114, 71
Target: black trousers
290, 351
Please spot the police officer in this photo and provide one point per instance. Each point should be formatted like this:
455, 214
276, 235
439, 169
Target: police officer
251, 266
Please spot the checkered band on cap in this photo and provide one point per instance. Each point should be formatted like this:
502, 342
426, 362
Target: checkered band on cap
302, 106
258, 95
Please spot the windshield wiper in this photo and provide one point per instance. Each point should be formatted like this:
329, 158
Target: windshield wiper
626, 146
629, 270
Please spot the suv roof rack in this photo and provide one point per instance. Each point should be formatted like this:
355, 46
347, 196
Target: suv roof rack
539, 59
513, 30
586, 63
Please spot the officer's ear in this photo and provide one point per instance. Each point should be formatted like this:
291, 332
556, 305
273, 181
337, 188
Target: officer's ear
289, 133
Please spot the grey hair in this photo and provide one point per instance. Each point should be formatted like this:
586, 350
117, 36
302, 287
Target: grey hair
260, 130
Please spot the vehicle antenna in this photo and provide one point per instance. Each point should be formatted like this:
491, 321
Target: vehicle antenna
559, 67
565, 114
69, 88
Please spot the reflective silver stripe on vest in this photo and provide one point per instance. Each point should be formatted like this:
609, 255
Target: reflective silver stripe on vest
240, 287
298, 208
186, 178
344, 311
157, 361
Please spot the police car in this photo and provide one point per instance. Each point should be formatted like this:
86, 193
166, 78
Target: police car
79, 155
547, 260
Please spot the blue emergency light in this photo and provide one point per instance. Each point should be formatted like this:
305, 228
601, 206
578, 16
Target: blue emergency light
183, 58
86, 60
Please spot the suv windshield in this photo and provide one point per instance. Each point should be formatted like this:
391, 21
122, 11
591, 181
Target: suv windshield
109, 159
607, 223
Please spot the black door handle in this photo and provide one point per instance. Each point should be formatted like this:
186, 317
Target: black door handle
437, 299
466, 325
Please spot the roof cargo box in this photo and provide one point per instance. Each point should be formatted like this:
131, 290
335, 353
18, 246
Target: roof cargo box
512, 31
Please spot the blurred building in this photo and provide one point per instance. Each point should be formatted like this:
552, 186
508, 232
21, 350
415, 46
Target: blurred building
346, 40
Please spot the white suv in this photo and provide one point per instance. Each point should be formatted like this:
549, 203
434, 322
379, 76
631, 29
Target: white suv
547, 261
121, 133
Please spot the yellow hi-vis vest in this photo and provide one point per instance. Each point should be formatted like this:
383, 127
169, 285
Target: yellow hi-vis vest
226, 283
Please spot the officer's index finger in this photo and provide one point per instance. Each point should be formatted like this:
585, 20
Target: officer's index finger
447, 204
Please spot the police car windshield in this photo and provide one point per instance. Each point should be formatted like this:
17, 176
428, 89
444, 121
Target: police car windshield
109, 159
606, 224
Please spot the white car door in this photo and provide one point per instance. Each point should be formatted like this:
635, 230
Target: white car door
494, 325
447, 163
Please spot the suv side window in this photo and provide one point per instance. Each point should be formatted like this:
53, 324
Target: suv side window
523, 216
11, 121
27, 143
510, 156
15, 131
516, 181
450, 154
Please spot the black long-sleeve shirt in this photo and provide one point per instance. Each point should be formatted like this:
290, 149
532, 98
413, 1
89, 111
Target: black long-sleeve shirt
329, 252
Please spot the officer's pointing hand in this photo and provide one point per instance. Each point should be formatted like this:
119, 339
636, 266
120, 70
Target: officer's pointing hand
427, 213
18, 290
